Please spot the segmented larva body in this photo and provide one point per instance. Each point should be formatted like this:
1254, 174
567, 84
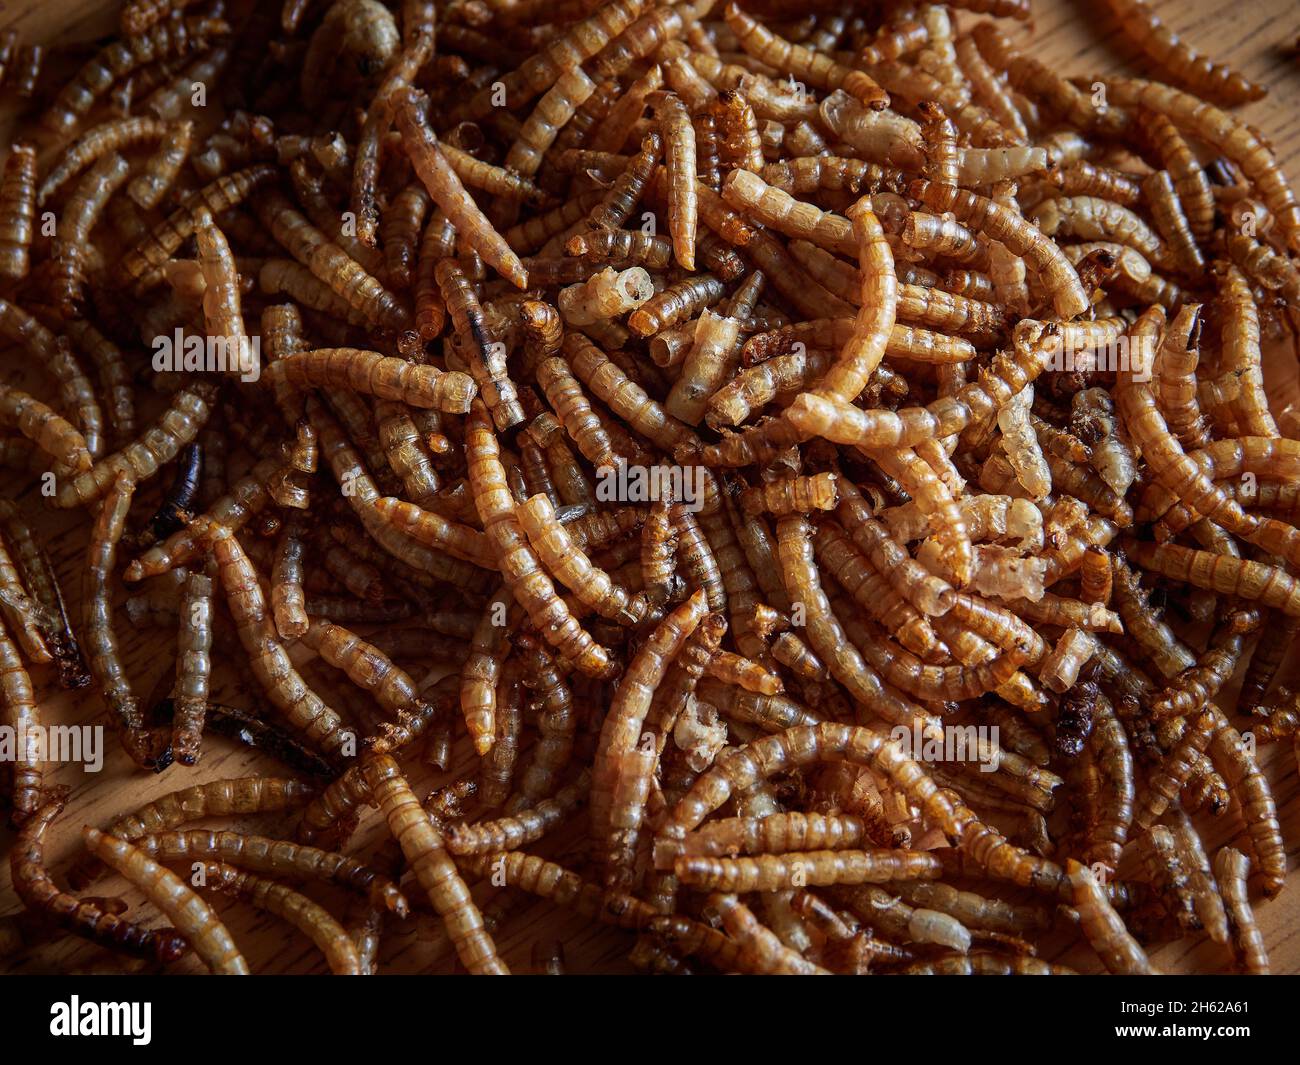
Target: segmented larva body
169, 39
1268, 585
285, 277
780, 832
1104, 928
302, 708
1223, 132
1230, 870
792, 495
1019, 236
1242, 774
985, 963
378, 375
628, 400
295, 908
193, 668
216, 798
552, 112
276, 857
148, 187
675, 304
748, 192
400, 230
622, 247
680, 167
815, 68
487, 359
82, 917
445, 189
141, 459
72, 237
20, 714
222, 313
760, 949
521, 567
774, 872
769, 755
30, 617
429, 527
99, 631
422, 844
364, 664
527, 826
52, 434
344, 275
17, 210
1180, 61
495, 180
616, 813
191, 915
247, 496
141, 266
570, 565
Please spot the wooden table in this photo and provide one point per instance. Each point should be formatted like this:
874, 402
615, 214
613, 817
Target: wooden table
1071, 34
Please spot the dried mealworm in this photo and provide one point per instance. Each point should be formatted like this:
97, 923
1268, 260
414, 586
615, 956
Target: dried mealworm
192, 916
1230, 869
423, 846
446, 190
82, 917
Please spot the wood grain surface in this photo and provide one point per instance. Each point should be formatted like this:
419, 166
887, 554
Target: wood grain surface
1075, 36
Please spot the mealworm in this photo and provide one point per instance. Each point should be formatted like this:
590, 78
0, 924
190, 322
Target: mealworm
680, 168
192, 668
169, 39
329, 262
379, 375
801, 63
1230, 869
140, 264
445, 189
141, 459
1237, 764
82, 917
1256, 581
815, 867
1179, 60
298, 910
276, 857
192, 916
1103, 926
616, 813
17, 210
524, 572
51, 433
422, 844
217, 798
100, 633
21, 714
1222, 132
302, 708
760, 950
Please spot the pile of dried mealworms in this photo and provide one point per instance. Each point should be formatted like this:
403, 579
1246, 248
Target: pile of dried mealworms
817, 460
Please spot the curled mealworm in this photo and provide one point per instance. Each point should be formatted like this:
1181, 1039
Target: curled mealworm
82, 917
